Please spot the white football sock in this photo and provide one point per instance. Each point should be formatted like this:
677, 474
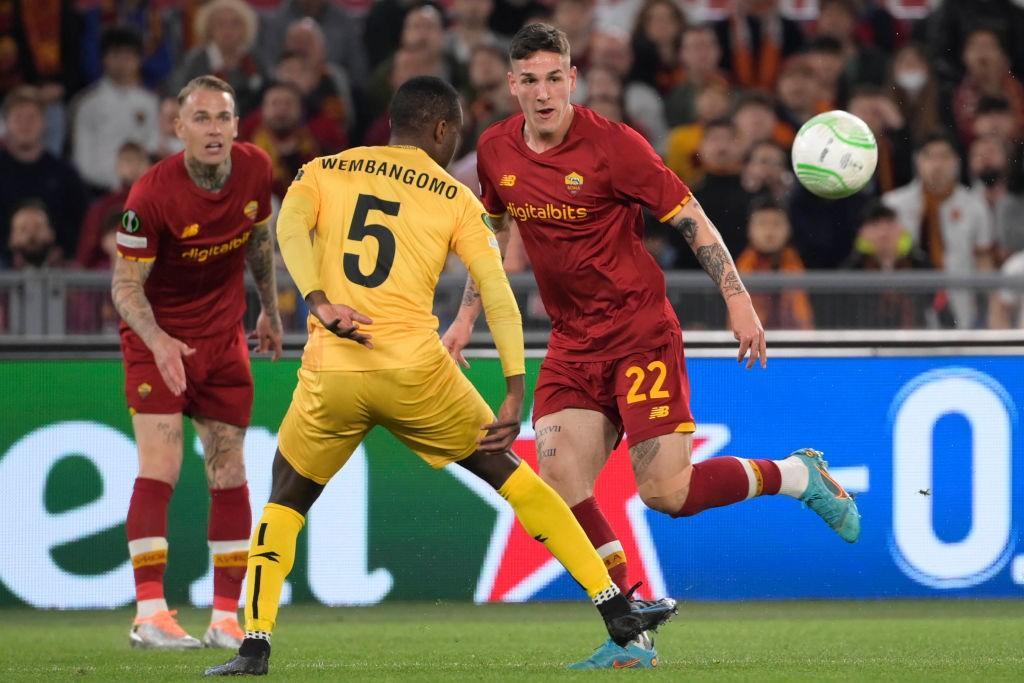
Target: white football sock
147, 608
220, 615
794, 477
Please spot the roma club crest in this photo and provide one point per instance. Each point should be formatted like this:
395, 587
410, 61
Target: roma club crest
574, 183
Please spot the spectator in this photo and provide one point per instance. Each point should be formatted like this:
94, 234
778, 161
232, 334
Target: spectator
824, 229
656, 40
756, 121
489, 97
915, 89
643, 107
227, 31
115, 110
604, 94
825, 57
405, 64
699, 56
756, 40
947, 222
132, 162
283, 135
720, 193
988, 164
884, 245
862, 63
952, 21
32, 241
766, 171
161, 26
895, 162
469, 29
681, 155
576, 18
326, 88
343, 32
40, 45
168, 142
798, 93
1006, 306
382, 32
987, 75
422, 37
768, 251
28, 170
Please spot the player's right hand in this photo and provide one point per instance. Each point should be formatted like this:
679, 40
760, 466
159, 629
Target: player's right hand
502, 433
343, 321
168, 353
456, 338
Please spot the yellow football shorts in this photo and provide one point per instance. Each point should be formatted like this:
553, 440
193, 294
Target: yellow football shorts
433, 409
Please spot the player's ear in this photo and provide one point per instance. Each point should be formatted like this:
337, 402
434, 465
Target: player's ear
572, 79
512, 83
440, 131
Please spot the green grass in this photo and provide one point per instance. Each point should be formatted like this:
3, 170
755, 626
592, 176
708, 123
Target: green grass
933, 641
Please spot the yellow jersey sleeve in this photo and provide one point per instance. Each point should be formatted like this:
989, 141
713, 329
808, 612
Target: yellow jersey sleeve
475, 244
298, 217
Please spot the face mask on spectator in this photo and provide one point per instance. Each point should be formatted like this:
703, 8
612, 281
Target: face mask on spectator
990, 176
911, 81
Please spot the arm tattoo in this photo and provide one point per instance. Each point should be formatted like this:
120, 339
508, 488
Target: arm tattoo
688, 229
260, 256
129, 296
731, 285
643, 453
715, 261
472, 294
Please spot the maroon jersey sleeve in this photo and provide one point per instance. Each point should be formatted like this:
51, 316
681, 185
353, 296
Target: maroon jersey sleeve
488, 192
639, 174
139, 233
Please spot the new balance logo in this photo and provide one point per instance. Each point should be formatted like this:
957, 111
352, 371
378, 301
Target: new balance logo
507, 180
658, 412
271, 555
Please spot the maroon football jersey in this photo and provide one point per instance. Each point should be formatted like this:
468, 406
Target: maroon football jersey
196, 239
578, 207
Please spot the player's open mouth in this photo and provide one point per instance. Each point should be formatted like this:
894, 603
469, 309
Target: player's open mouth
546, 113
214, 146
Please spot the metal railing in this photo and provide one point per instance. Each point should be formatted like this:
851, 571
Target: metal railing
76, 304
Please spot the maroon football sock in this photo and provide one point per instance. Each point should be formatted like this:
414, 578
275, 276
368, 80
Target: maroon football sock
146, 529
228, 532
601, 536
725, 480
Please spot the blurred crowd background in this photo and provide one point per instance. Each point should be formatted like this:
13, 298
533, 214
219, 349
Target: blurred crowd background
719, 88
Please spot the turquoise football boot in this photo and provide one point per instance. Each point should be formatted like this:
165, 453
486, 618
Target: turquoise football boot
637, 654
827, 497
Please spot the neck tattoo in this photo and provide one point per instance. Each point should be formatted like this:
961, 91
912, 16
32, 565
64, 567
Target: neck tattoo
209, 178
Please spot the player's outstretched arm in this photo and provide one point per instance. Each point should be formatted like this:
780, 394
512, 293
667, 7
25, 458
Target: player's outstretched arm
127, 291
259, 255
706, 243
457, 336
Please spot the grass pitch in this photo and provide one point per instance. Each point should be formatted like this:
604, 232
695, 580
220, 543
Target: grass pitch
933, 641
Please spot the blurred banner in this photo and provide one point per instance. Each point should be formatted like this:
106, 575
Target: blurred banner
932, 447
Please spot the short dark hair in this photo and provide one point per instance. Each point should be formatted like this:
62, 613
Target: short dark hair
767, 142
421, 102
825, 44
117, 37
207, 82
765, 202
937, 136
755, 98
538, 37
720, 122
22, 94
877, 211
283, 85
34, 203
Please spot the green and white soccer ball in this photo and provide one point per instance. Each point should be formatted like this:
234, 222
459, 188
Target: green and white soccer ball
834, 154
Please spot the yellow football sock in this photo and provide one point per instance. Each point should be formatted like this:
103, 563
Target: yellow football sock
548, 519
271, 557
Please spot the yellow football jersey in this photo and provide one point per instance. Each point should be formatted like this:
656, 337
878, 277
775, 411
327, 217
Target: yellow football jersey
384, 220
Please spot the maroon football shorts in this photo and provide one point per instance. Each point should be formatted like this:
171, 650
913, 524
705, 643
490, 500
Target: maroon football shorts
218, 380
646, 393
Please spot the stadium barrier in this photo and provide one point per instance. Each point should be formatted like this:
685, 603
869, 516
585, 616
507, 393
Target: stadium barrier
71, 302
926, 431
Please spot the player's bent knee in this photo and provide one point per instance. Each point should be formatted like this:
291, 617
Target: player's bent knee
569, 484
667, 494
225, 470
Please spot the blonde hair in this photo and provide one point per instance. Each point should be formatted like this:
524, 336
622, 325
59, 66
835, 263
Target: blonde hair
205, 13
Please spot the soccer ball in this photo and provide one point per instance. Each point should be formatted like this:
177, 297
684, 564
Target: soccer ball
834, 154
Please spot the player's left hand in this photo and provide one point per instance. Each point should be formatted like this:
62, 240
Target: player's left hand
747, 329
268, 334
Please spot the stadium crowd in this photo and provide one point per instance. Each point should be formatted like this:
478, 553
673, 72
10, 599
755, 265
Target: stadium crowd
719, 88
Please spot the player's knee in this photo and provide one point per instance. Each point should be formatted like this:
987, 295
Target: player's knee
166, 470
569, 484
225, 470
666, 494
